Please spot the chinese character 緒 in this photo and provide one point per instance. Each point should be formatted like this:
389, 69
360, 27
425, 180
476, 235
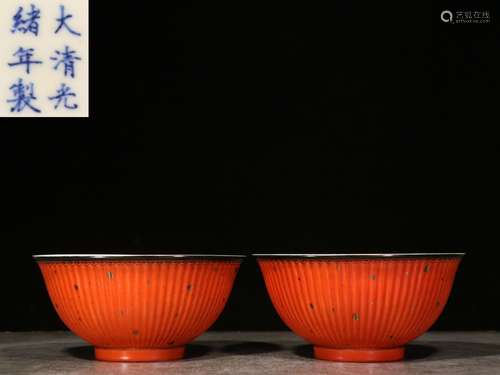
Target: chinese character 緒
24, 56
22, 96
67, 58
28, 24
62, 22
62, 96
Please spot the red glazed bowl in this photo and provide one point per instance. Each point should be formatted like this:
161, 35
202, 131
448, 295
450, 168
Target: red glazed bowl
138, 307
359, 308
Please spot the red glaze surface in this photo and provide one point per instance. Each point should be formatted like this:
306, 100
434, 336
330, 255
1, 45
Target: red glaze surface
139, 355
139, 310
351, 308
359, 355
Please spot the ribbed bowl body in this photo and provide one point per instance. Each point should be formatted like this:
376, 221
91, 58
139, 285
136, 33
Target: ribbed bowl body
139, 304
359, 304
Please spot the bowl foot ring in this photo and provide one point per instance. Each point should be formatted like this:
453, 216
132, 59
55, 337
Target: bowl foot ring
138, 355
359, 355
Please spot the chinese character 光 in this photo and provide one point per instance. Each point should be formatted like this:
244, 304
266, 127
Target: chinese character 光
26, 25
22, 96
67, 58
24, 56
62, 22
62, 96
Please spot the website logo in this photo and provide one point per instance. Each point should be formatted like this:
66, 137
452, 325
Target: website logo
466, 16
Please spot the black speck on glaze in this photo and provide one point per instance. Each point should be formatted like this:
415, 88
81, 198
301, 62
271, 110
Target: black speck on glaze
189, 286
76, 287
311, 306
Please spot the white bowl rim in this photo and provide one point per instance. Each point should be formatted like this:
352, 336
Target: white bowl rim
366, 255
48, 257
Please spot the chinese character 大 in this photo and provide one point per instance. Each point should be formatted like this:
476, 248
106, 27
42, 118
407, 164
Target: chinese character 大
63, 24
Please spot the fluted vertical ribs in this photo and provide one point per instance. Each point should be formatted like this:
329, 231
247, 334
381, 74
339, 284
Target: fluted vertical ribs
132, 304
359, 304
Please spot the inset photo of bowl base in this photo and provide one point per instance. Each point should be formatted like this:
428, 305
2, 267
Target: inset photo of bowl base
138, 307
359, 308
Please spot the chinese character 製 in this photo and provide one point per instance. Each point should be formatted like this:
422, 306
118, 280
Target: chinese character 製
24, 58
67, 58
26, 25
62, 22
23, 95
62, 96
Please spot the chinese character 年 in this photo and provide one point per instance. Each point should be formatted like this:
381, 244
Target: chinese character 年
24, 56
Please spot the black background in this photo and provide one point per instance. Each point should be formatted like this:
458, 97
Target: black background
240, 127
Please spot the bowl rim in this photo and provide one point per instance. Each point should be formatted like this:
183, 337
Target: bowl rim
363, 256
139, 257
